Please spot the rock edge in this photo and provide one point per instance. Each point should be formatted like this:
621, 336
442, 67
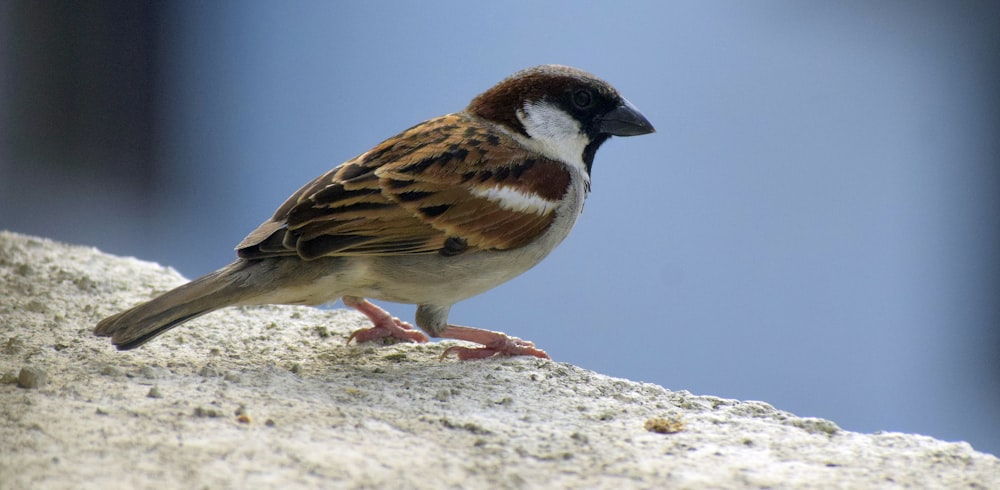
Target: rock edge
272, 396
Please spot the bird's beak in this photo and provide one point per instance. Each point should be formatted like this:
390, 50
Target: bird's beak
625, 120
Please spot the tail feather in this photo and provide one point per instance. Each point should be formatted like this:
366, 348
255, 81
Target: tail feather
136, 326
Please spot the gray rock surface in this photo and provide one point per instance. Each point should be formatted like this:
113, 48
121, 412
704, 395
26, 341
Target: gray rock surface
273, 397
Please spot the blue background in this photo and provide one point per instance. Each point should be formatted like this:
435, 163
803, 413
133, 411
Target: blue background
814, 223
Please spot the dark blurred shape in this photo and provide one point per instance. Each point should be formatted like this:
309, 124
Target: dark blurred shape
81, 79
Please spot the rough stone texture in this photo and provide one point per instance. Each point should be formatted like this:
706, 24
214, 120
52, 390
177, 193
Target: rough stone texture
272, 396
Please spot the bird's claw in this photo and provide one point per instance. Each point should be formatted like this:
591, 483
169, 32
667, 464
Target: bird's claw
398, 331
507, 346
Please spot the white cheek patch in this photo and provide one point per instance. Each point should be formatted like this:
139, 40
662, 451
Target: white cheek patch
516, 200
554, 133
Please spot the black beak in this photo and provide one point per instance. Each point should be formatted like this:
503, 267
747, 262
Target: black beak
625, 120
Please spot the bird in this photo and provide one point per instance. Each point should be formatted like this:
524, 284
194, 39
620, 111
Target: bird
445, 210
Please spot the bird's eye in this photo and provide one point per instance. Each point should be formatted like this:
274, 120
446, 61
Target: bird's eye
582, 99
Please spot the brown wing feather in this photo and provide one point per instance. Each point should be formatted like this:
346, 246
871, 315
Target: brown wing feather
410, 194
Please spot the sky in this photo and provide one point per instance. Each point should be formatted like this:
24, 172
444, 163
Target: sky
814, 224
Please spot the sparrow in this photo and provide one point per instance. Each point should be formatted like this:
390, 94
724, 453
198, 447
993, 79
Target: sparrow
443, 211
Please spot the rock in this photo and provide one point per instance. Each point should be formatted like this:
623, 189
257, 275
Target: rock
207, 412
111, 370
154, 372
362, 416
209, 371
32, 378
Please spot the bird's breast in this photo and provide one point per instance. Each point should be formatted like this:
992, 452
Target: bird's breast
440, 279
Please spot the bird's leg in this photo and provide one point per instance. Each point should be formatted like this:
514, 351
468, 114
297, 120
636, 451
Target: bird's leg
433, 319
385, 325
494, 343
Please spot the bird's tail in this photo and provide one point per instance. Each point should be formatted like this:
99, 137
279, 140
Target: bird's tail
136, 326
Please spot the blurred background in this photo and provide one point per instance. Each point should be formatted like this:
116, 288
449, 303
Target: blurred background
815, 224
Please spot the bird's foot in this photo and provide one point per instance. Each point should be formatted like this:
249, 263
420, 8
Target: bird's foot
385, 326
494, 343
397, 331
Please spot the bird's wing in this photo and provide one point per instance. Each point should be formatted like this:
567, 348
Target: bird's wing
445, 185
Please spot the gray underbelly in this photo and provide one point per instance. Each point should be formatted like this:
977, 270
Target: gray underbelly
439, 279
